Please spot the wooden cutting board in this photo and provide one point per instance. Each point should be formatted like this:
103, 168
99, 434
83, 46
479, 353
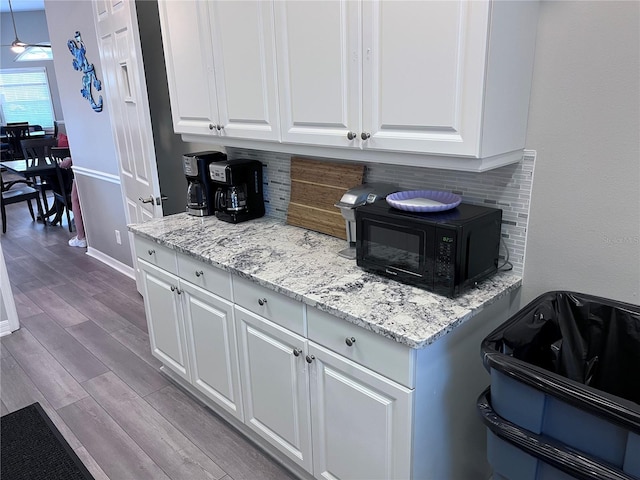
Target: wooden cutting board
316, 186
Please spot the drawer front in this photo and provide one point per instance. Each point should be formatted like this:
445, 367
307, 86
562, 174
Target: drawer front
156, 254
212, 279
271, 305
373, 351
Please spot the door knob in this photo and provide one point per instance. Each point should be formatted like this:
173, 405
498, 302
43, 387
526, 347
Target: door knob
199, 273
211, 126
262, 301
146, 200
297, 351
365, 135
151, 251
310, 359
351, 135
219, 127
350, 341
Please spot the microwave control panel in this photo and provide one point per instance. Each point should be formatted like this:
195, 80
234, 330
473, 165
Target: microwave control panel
445, 256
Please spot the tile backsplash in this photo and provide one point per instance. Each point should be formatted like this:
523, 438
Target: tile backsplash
507, 188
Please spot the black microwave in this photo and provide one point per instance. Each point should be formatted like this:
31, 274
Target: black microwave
444, 252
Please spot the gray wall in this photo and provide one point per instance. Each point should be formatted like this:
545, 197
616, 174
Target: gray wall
584, 122
90, 138
32, 28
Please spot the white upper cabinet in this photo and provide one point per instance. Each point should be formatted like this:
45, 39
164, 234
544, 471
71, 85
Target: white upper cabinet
436, 83
318, 45
221, 68
442, 78
423, 75
186, 38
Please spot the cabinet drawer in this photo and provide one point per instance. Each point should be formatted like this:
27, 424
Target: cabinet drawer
156, 254
373, 351
212, 279
271, 305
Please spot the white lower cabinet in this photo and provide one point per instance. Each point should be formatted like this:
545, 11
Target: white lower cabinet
275, 385
211, 340
361, 421
165, 321
192, 332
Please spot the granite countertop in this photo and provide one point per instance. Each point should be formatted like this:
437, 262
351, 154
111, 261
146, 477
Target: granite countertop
304, 265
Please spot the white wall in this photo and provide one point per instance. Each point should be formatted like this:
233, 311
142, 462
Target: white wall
90, 135
584, 122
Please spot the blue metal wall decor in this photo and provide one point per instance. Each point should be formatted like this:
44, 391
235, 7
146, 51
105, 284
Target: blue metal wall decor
89, 78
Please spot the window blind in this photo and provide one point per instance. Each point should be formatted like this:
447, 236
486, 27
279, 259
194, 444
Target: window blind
25, 96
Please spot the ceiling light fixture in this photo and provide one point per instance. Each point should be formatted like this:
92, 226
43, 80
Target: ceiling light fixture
18, 46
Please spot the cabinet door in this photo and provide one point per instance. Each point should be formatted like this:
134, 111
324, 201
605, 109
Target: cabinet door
245, 69
162, 306
423, 75
186, 38
275, 385
361, 421
318, 46
211, 339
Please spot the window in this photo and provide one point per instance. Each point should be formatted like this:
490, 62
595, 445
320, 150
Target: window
25, 96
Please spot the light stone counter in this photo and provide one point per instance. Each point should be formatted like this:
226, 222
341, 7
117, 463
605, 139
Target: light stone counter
304, 265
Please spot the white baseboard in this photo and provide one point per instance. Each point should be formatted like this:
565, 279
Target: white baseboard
5, 329
113, 263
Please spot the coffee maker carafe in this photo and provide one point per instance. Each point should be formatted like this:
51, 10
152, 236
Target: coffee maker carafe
200, 190
238, 190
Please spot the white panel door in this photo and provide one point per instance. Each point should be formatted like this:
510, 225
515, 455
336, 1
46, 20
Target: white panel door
245, 69
423, 75
275, 385
211, 338
128, 105
318, 48
162, 305
361, 421
186, 38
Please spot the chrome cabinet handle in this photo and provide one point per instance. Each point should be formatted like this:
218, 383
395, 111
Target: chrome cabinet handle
147, 200
350, 341
211, 126
310, 359
365, 135
178, 291
151, 251
219, 127
199, 273
351, 135
297, 351
173, 288
262, 301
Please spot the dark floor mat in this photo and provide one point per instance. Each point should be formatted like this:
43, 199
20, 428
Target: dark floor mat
32, 448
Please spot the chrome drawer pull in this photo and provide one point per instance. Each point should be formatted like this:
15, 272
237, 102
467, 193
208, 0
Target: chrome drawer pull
350, 341
151, 251
173, 289
297, 352
310, 359
199, 273
262, 301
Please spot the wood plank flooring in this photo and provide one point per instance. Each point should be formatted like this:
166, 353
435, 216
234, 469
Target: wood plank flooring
83, 352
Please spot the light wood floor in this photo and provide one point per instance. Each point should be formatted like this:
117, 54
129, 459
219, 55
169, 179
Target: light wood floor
83, 352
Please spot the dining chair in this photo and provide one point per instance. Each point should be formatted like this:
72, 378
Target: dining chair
18, 191
62, 188
16, 132
36, 151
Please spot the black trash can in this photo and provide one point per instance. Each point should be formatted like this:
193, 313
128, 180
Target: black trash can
566, 368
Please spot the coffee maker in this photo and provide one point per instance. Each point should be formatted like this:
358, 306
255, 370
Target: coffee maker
238, 190
200, 190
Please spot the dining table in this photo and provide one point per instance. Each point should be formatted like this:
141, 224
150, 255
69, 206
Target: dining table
29, 169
